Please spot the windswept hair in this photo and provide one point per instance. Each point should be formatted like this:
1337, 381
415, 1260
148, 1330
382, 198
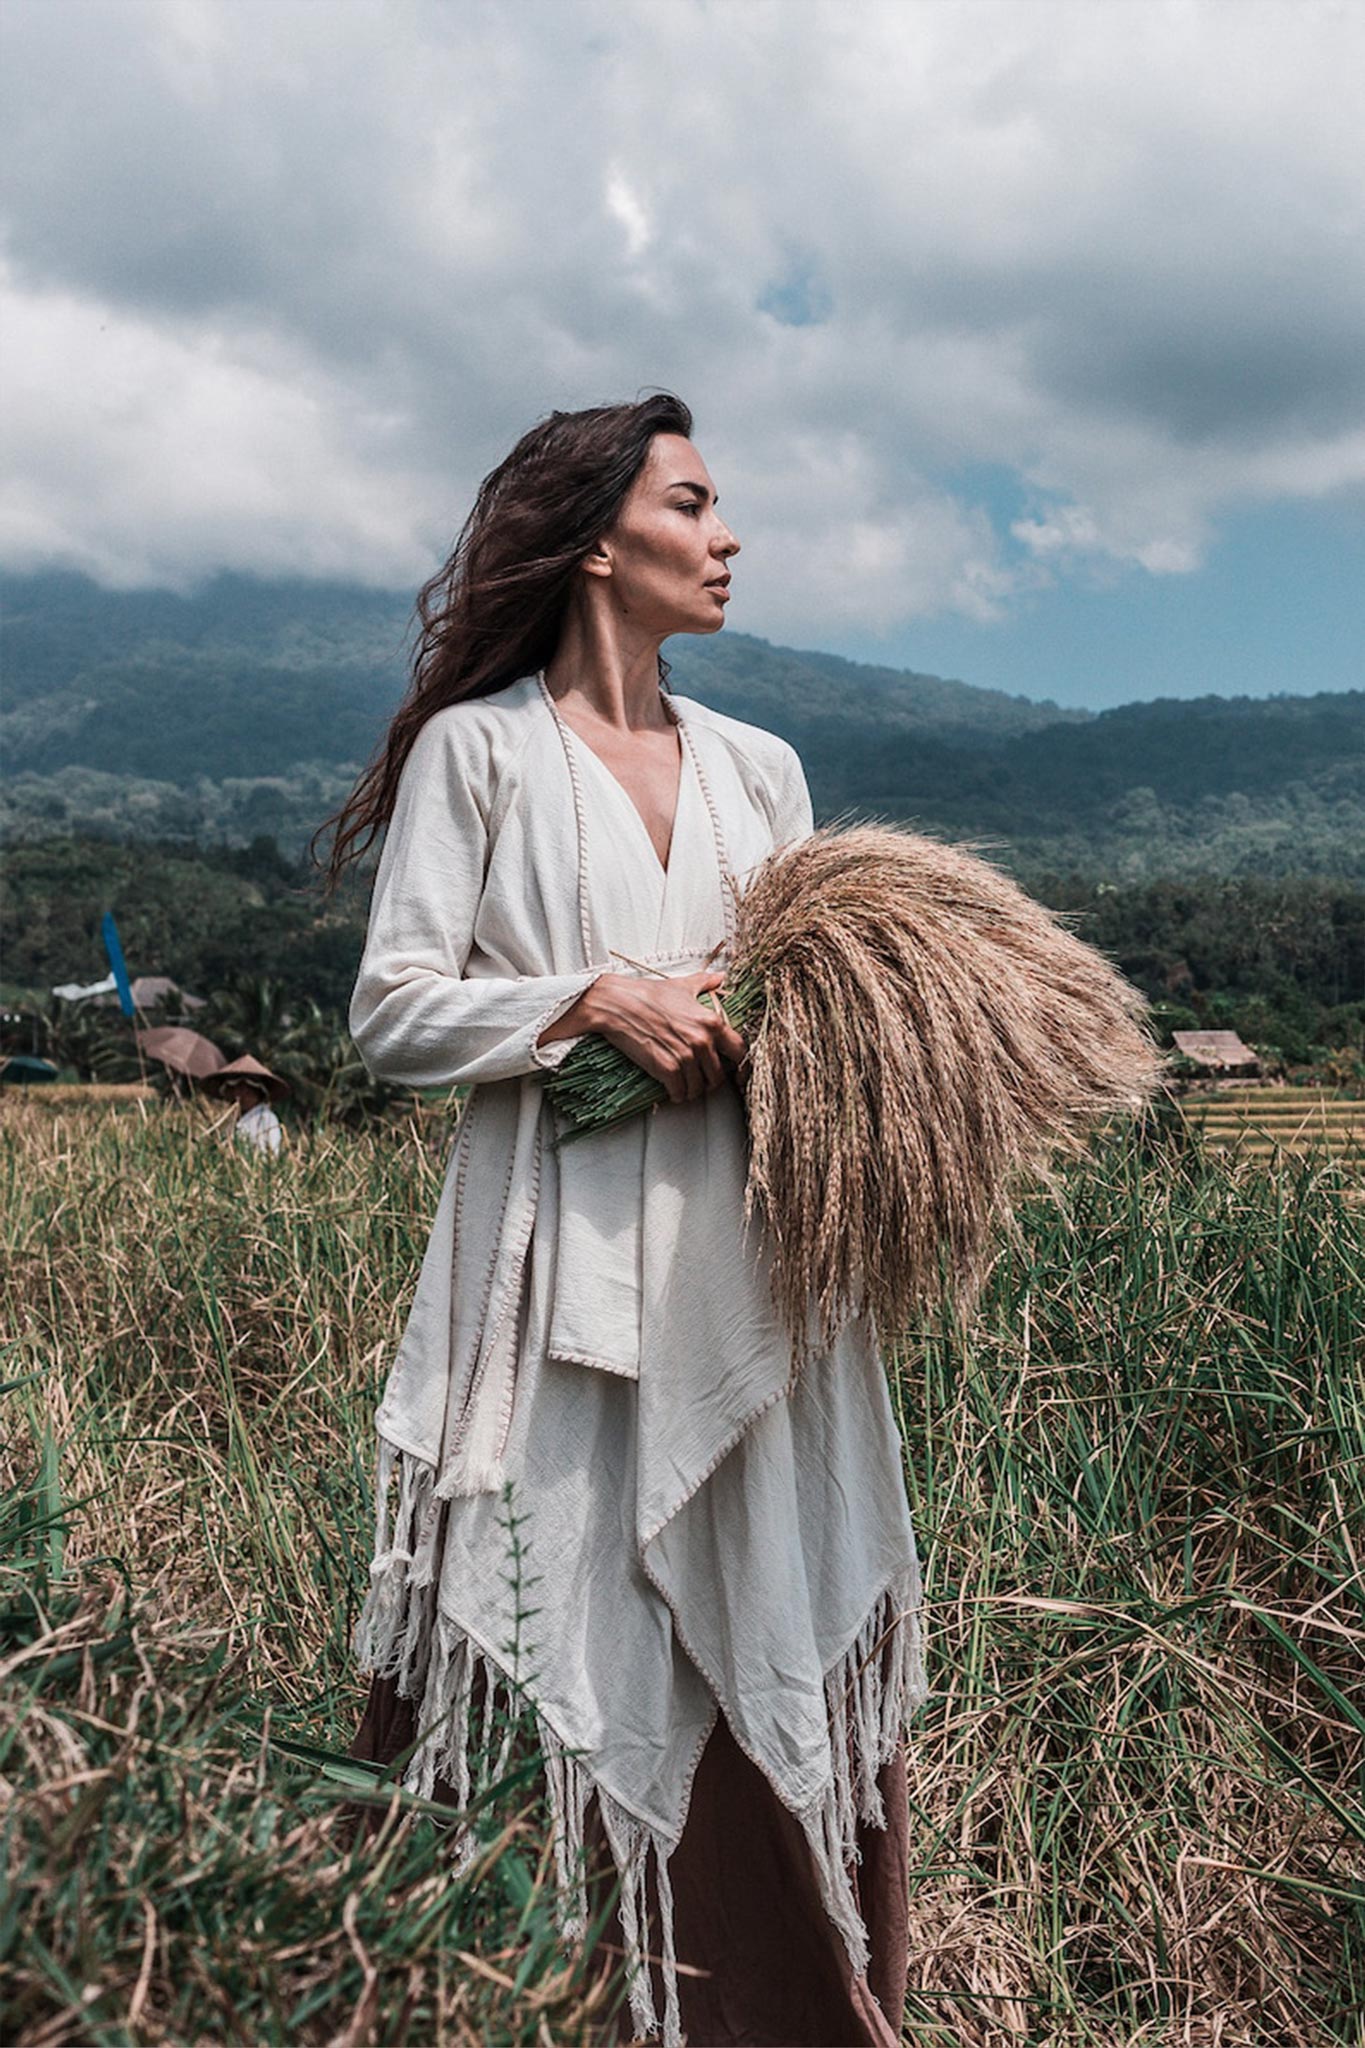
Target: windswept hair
492, 613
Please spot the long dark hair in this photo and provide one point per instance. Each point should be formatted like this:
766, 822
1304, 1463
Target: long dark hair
492, 613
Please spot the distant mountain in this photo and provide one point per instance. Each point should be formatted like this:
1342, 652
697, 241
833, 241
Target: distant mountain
245, 678
251, 678
249, 707
813, 698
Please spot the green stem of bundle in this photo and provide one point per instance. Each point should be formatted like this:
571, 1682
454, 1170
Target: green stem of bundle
597, 1086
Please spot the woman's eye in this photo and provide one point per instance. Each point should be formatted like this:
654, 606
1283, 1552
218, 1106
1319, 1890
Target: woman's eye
694, 506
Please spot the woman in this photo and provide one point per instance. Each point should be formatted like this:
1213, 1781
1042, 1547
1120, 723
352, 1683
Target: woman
726, 1631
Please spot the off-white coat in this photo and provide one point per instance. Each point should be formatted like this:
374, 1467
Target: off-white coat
707, 1526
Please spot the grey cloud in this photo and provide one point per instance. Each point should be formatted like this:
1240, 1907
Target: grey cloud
1213, 386
1115, 250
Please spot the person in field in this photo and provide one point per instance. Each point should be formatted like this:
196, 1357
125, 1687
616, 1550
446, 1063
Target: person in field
251, 1087
726, 1646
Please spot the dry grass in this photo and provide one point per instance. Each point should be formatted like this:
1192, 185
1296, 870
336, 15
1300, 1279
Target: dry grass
930, 1041
195, 1339
1139, 1483
1141, 1786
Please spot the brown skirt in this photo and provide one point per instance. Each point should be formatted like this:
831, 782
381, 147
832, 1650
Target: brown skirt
746, 1907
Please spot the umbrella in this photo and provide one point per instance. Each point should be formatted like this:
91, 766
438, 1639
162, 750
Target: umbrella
26, 1066
182, 1050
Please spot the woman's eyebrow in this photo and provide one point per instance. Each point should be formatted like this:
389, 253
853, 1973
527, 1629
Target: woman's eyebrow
684, 484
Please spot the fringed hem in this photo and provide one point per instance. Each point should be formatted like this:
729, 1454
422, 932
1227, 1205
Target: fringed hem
402, 1634
870, 1693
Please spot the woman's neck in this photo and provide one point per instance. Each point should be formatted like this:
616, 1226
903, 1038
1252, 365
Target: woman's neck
607, 671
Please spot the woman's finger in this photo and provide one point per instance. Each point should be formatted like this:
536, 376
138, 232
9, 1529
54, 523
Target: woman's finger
708, 1059
731, 1044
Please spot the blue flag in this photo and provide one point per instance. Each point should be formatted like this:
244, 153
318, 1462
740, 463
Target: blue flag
117, 968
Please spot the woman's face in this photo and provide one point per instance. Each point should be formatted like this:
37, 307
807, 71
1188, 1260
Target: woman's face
667, 557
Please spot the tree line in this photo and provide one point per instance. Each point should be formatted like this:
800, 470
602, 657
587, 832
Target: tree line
1282, 961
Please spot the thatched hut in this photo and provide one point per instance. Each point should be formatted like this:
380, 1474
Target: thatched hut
1218, 1055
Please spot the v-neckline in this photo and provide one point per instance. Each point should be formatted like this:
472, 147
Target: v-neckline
665, 868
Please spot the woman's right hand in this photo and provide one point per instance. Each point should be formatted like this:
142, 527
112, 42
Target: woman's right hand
658, 1021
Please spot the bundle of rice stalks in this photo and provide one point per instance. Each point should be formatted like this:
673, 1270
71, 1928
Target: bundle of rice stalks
924, 1041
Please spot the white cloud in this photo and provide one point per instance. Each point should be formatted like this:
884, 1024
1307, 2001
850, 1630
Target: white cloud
285, 280
624, 205
139, 452
833, 537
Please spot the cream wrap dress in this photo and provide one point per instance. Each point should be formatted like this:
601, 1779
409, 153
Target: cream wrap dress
709, 1527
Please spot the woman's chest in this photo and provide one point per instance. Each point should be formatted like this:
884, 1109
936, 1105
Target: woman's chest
649, 771
572, 853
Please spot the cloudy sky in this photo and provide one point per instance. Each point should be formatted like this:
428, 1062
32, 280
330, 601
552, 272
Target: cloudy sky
1025, 338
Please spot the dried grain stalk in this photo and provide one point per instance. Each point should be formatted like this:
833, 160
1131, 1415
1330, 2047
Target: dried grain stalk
925, 1041
930, 1040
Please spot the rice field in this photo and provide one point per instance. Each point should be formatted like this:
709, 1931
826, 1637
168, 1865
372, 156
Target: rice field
1138, 1786
1271, 1123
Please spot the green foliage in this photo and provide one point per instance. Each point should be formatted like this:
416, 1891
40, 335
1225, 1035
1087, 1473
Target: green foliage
193, 1337
201, 915
243, 928
1229, 834
240, 678
1282, 962
176, 1866
823, 698
92, 803
1236, 786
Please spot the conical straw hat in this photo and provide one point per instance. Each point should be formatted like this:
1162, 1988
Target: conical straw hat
246, 1069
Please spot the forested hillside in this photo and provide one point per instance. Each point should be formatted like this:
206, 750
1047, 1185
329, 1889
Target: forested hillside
248, 709
249, 678
1238, 786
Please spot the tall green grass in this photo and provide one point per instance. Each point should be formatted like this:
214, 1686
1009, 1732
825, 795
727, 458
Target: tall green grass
1141, 1780
1138, 1786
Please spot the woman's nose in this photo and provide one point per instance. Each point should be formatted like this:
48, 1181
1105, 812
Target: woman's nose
727, 544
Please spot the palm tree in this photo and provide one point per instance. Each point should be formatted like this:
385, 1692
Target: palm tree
97, 1042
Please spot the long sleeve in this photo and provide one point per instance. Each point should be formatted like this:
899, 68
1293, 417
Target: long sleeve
415, 1015
793, 813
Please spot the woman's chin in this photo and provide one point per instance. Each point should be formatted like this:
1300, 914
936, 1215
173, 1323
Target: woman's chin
710, 624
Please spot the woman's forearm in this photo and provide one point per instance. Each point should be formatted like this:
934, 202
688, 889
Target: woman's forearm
587, 1014
661, 1024
615, 1001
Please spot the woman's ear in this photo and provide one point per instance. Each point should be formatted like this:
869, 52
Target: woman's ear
598, 562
